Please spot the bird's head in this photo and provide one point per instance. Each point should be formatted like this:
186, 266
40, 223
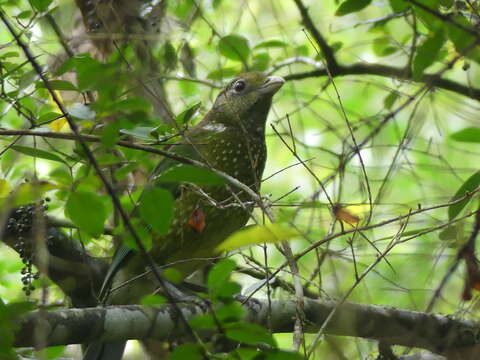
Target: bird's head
245, 101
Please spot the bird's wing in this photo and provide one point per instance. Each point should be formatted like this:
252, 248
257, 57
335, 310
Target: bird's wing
186, 150
196, 136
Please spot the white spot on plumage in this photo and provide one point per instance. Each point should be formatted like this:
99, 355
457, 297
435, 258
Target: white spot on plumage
215, 127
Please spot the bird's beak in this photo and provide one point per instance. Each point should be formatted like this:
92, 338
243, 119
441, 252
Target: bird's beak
272, 84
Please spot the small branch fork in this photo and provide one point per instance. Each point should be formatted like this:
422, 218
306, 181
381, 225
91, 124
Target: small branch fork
334, 69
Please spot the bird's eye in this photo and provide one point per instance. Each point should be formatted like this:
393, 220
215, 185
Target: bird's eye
239, 86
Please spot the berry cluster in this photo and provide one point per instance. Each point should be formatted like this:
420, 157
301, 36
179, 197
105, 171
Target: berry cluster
19, 225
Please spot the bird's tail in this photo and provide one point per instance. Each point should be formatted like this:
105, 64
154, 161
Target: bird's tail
105, 351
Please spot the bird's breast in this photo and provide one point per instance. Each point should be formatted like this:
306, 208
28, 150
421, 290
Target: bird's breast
240, 156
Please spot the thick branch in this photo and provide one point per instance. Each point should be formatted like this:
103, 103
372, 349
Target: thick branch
391, 72
437, 333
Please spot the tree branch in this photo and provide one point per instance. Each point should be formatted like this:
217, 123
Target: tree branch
437, 333
333, 68
150, 149
327, 51
391, 72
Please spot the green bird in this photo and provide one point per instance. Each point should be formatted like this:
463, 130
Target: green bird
231, 139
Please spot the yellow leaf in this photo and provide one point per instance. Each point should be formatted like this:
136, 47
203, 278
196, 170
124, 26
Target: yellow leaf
58, 125
257, 234
4, 188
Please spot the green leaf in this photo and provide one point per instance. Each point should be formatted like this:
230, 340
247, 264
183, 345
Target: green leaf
87, 211
303, 50
248, 353
399, 6
156, 208
27, 193
381, 47
223, 73
277, 354
110, 135
249, 333
94, 75
271, 44
470, 134
446, 3
51, 352
350, 6
185, 116
192, 174
390, 100
10, 319
121, 173
461, 39
169, 56
260, 62
49, 116
450, 232
218, 281
227, 291
427, 53
220, 274
203, 321
153, 300
187, 351
230, 311
187, 59
133, 104
257, 234
140, 132
142, 233
9, 54
40, 5
57, 85
66, 66
173, 275
24, 14
234, 47
182, 8
471, 184
38, 153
